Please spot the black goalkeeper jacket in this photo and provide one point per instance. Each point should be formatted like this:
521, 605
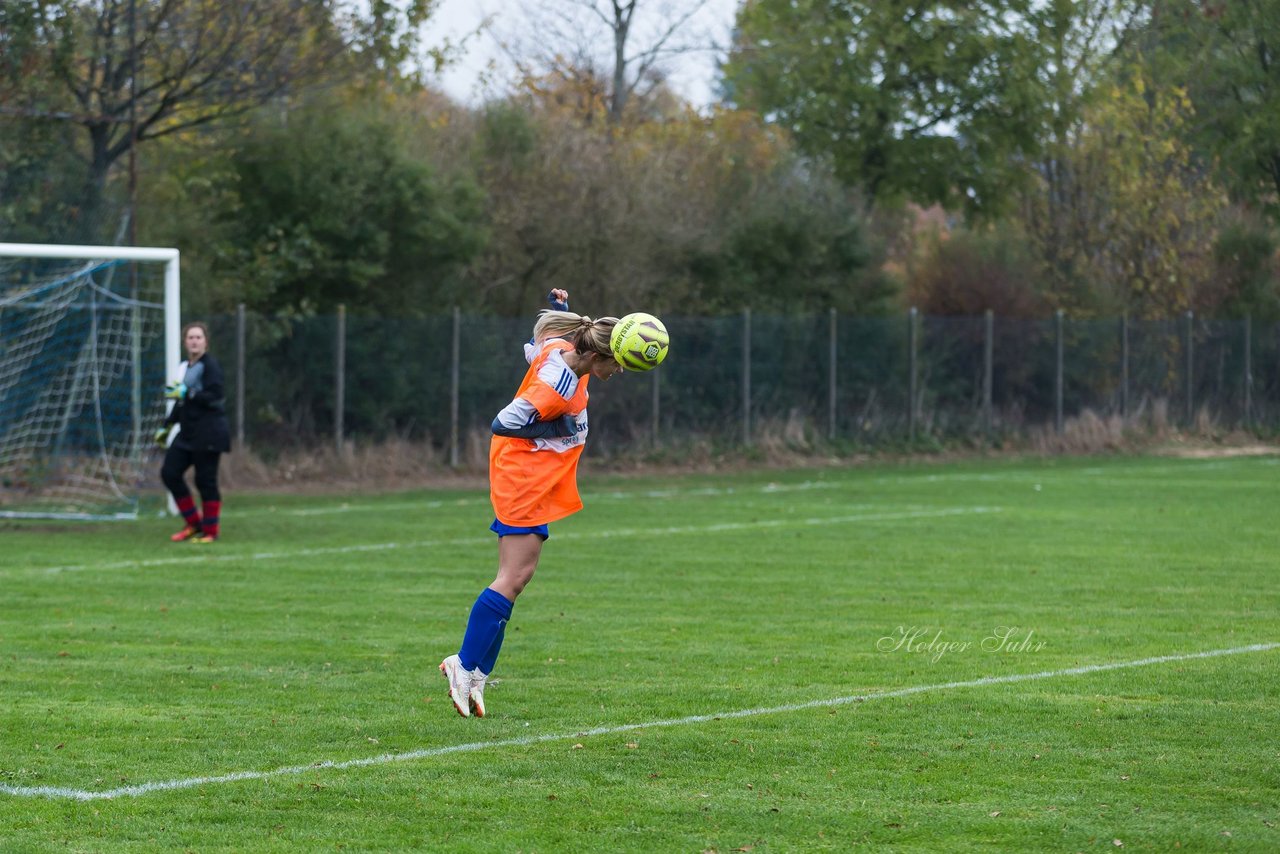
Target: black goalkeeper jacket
202, 414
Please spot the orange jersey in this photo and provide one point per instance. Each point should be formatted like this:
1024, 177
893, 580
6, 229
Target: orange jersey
535, 481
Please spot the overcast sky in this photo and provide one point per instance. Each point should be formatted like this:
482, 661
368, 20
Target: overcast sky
692, 76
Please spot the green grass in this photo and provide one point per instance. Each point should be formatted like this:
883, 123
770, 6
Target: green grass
312, 631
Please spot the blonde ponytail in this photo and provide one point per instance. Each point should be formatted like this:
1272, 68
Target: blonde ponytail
585, 334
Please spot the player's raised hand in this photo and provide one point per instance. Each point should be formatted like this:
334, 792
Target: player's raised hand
559, 299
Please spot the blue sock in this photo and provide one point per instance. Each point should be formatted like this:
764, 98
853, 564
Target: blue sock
485, 628
491, 657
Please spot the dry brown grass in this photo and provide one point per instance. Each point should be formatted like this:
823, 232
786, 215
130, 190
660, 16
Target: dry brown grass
1085, 433
1149, 430
785, 442
389, 465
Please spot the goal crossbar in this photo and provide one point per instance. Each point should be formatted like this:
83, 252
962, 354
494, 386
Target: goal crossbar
44, 450
172, 282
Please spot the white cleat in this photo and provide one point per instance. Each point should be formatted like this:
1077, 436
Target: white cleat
477, 692
459, 684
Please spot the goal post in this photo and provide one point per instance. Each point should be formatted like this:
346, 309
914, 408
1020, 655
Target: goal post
88, 336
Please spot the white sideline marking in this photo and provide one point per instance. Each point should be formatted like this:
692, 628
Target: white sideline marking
201, 560
435, 504
1019, 475
1117, 473
423, 753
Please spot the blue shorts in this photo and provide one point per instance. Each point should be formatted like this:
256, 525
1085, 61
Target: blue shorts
502, 530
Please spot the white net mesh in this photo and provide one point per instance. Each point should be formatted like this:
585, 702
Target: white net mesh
81, 369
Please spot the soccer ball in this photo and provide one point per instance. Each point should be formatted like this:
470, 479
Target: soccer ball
639, 342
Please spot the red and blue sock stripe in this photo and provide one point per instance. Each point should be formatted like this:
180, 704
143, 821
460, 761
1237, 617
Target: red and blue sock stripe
212, 511
187, 507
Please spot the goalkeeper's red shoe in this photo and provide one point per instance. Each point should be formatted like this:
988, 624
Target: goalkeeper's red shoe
186, 534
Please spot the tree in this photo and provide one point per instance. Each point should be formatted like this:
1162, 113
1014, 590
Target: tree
919, 100
130, 71
327, 208
563, 41
776, 231
35, 154
1246, 275
694, 214
1144, 211
1233, 76
966, 273
389, 35
1081, 42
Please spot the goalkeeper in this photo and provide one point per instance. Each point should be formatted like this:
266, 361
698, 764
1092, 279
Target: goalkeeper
199, 410
533, 466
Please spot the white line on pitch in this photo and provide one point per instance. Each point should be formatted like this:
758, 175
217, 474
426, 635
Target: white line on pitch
1115, 473
424, 753
1015, 476
434, 504
385, 507
200, 560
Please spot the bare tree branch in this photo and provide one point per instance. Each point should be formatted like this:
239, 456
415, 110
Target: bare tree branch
565, 37
178, 64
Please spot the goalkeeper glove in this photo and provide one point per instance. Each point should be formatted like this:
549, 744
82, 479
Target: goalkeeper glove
175, 390
161, 437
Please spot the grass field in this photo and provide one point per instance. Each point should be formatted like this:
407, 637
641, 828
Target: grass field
770, 661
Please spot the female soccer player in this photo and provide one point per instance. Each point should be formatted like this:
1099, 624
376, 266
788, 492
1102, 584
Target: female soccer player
533, 465
203, 436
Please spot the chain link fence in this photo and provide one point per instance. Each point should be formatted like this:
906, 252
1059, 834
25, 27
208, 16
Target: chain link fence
864, 381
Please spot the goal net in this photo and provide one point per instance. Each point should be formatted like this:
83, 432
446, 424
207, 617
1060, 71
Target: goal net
88, 336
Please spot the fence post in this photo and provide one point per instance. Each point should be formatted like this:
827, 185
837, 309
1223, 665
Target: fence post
340, 377
1248, 370
135, 362
912, 369
455, 378
1058, 378
832, 356
240, 372
988, 368
1191, 404
1124, 365
746, 376
656, 412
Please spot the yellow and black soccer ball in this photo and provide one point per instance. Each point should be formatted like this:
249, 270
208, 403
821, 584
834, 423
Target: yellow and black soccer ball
639, 342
